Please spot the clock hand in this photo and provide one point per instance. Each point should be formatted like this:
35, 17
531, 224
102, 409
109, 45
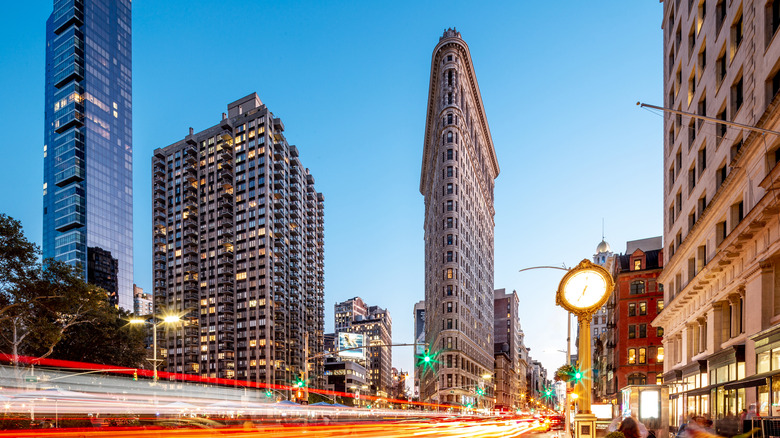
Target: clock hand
583, 292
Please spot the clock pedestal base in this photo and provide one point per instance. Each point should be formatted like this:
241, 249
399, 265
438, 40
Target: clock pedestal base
584, 426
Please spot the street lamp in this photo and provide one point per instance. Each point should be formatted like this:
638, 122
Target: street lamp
164, 319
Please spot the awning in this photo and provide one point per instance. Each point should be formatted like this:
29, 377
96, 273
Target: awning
750, 382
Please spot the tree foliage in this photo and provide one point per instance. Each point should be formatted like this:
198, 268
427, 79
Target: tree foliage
46, 308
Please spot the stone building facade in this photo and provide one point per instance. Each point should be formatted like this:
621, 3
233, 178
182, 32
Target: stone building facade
238, 251
721, 204
459, 167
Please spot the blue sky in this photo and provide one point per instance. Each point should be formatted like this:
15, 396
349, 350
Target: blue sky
559, 83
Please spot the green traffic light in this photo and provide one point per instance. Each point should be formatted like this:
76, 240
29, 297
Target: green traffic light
268, 394
427, 359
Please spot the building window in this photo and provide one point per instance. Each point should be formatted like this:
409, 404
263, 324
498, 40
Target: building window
449, 172
737, 97
449, 154
659, 332
449, 137
643, 308
637, 287
637, 265
631, 331
449, 324
632, 356
449, 77
449, 290
449, 256
449, 98
449, 274
660, 356
449, 239
737, 35
637, 379
449, 119
631, 309
642, 355
642, 330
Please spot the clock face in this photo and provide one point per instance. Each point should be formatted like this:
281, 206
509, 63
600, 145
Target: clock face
584, 289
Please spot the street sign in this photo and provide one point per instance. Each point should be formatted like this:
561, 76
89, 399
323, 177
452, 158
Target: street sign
31, 379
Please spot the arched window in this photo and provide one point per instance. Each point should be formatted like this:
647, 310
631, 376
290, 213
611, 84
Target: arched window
637, 287
637, 379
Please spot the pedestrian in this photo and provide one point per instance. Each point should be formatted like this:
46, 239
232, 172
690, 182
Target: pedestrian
629, 428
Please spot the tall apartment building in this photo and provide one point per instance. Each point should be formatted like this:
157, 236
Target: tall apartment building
88, 143
507, 340
459, 167
347, 311
376, 325
238, 250
722, 272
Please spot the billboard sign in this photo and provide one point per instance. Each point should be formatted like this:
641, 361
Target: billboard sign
349, 343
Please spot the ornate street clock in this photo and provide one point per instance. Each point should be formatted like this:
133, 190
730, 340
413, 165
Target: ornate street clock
584, 289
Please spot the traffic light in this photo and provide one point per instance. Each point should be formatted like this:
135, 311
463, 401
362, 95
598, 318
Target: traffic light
480, 391
269, 394
135, 374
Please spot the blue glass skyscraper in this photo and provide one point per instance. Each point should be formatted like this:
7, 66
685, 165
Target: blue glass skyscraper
88, 137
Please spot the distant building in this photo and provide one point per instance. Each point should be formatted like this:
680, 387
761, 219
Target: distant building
353, 316
345, 376
102, 271
507, 337
419, 338
398, 387
329, 342
353, 309
504, 378
143, 303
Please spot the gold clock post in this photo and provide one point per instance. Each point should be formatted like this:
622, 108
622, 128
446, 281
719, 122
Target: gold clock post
582, 291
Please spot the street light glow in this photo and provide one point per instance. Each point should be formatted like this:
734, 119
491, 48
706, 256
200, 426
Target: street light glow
137, 321
171, 319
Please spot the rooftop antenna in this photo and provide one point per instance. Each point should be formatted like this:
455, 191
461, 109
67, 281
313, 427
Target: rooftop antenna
602, 228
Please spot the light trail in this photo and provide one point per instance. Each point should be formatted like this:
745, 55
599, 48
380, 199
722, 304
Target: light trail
460, 429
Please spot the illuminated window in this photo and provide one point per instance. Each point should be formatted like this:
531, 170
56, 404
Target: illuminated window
637, 265
643, 308
659, 331
659, 304
631, 309
660, 356
253, 343
632, 356
449, 273
637, 287
642, 355
241, 276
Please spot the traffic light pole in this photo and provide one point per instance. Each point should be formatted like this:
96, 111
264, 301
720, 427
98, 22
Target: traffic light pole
567, 408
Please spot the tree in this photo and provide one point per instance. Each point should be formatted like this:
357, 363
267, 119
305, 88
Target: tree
40, 302
108, 340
